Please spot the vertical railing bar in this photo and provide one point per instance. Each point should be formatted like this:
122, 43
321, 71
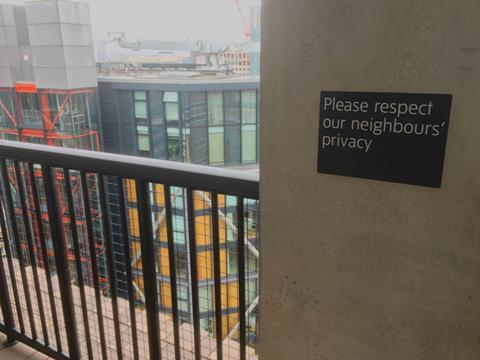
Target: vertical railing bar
217, 275
110, 264
241, 275
31, 250
5, 302
18, 248
173, 270
55, 217
127, 256
149, 268
194, 273
41, 231
93, 261
7, 242
78, 260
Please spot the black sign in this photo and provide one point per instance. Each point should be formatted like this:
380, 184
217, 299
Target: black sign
394, 137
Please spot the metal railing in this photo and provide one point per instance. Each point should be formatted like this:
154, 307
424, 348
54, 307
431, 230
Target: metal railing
105, 256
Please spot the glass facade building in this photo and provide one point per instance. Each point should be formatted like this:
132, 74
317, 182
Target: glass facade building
209, 122
214, 123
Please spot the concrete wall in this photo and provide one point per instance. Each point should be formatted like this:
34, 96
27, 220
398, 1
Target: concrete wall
356, 269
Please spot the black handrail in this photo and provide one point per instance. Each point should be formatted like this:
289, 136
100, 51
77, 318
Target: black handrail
219, 180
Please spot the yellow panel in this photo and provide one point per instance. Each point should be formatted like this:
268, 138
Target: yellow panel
223, 263
166, 295
131, 190
233, 294
133, 222
221, 201
162, 230
159, 195
136, 252
205, 270
232, 321
200, 204
164, 262
202, 230
223, 291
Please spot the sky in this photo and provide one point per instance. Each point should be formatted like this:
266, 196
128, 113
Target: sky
209, 20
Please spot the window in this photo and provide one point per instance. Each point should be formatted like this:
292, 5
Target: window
143, 139
140, 109
183, 298
249, 143
171, 108
232, 107
232, 127
216, 130
195, 130
205, 295
141, 122
172, 115
215, 108
215, 145
174, 152
249, 127
232, 263
169, 96
249, 107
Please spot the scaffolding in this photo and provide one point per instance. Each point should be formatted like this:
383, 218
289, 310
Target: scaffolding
65, 118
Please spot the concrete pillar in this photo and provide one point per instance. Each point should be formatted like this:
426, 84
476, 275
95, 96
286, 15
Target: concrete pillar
355, 269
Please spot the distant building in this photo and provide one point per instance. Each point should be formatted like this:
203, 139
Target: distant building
255, 39
237, 60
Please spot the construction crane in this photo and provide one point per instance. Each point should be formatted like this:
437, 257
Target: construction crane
246, 27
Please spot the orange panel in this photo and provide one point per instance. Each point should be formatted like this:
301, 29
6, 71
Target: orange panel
26, 88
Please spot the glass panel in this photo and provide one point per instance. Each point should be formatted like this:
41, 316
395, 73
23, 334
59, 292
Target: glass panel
169, 96
143, 142
249, 106
194, 108
194, 116
182, 298
173, 144
215, 108
141, 109
215, 145
232, 107
171, 112
205, 295
232, 145
157, 123
140, 95
249, 144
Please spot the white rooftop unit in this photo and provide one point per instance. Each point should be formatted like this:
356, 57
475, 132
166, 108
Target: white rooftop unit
9, 57
61, 44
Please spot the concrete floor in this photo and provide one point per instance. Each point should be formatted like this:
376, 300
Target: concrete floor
18, 352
